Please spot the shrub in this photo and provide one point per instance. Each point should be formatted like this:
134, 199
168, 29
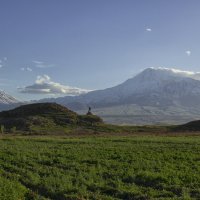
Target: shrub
2, 129
13, 129
90, 119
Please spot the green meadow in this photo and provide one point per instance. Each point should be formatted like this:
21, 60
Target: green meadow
112, 167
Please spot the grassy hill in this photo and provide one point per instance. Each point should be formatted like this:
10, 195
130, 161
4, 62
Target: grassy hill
44, 116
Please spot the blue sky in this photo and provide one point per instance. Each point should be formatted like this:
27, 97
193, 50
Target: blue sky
92, 44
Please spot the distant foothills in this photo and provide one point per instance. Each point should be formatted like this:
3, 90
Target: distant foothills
154, 96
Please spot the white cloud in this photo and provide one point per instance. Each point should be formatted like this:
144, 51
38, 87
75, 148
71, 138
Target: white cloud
41, 64
148, 29
5, 58
188, 52
1, 65
42, 79
44, 85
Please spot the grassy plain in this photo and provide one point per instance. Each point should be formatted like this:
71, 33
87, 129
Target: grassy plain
99, 167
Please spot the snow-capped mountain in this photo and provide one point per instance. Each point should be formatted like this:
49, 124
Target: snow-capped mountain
155, 95
7, 99
153, 86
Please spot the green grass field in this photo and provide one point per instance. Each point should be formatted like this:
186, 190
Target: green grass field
112, 167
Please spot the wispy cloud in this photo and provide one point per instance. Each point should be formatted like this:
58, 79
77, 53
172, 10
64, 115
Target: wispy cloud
41, 64
3, 62
188, 52
37, 62
44, 85
29, 69
26, 69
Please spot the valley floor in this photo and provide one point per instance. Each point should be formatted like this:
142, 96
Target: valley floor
104, 167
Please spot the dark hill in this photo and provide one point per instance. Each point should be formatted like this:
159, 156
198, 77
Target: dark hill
190, 126
44, 115
37, 109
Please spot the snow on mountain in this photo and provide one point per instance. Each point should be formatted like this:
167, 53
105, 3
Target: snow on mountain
177, 72
155, 79
153, 86
7, 99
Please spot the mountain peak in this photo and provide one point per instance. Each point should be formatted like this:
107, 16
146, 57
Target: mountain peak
7, 99
171, 72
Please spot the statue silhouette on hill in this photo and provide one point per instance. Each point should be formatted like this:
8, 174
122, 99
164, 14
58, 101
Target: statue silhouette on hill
89, 111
